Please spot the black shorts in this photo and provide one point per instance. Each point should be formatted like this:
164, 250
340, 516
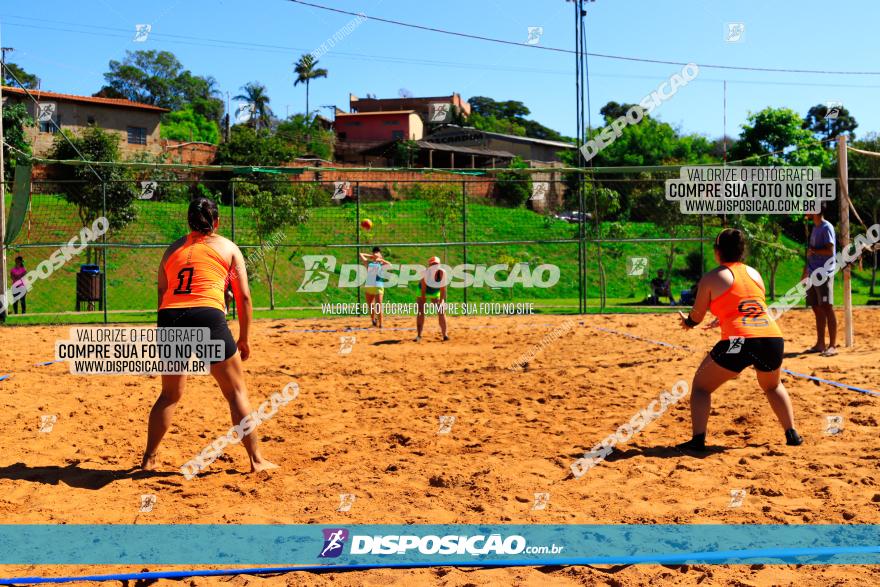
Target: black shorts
737, 354
818, 295
211, 318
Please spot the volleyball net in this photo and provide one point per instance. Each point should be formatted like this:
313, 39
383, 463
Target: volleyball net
603, 239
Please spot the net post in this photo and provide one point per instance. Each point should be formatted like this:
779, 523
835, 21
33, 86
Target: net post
232, 219
3, 282
104, 251
464, 229
843, 200
357, 232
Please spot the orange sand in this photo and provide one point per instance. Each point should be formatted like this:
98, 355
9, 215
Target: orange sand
366, 423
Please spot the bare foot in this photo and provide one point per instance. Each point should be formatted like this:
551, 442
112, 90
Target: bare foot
148, 463
263, 465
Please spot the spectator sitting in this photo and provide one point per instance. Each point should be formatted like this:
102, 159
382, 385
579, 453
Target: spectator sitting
661, 287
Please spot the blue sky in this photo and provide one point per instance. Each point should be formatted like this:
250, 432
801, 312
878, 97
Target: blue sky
69, 47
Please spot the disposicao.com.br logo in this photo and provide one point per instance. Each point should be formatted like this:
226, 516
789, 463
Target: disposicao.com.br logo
320, 269
476, 545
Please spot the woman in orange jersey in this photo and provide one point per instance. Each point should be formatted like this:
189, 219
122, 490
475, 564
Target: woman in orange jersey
734, 293
193, 277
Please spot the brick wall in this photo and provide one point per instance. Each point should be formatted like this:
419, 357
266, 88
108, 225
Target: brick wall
190, 153
385, 180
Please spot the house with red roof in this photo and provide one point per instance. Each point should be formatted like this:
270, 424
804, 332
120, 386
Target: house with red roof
136, 124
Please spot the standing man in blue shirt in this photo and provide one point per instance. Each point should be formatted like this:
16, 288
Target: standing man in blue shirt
820, 298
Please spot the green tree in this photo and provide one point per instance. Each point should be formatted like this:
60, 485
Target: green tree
823, 127
489, 107
86, 182
17, 149
188, 125
13, 72
306, 70
255, 93
306, 136
776, 136
158, 78
277, 206
766, 249
492, 123
247, 146
508, 117
512, 186
404, 153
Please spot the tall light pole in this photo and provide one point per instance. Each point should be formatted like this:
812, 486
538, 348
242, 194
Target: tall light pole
3, 284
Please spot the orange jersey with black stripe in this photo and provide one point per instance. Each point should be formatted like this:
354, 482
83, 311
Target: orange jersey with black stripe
197, 276
741, 309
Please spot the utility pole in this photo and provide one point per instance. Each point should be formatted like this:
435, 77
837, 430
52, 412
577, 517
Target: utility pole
3, 283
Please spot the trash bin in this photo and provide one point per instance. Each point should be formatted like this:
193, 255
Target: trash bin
89, 287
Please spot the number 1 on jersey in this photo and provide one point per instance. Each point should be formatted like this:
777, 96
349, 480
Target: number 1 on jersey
185, 274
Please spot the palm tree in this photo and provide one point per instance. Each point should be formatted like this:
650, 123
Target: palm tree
255, 93
305, 72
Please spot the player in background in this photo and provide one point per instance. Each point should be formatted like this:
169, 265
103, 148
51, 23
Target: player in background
432, 288
375, 287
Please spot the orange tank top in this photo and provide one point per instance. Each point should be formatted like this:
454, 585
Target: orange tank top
197, 276
741, 309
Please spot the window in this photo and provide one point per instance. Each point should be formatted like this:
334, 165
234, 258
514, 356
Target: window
397, 135
90, 121
342, 136
137, 135
392, 122
51, 126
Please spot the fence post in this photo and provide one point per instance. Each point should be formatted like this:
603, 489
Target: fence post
232, 212
357, 233
582, 247
464, 229
232, 228
702, 254
104, 251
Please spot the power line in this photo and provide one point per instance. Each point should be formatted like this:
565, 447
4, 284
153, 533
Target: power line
281, 49
560, 50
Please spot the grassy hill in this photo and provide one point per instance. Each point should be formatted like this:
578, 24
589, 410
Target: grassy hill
402, 226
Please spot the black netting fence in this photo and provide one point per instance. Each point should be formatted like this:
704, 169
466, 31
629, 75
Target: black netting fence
289, 229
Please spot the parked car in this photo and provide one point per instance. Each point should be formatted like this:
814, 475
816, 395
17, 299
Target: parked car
572, 216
